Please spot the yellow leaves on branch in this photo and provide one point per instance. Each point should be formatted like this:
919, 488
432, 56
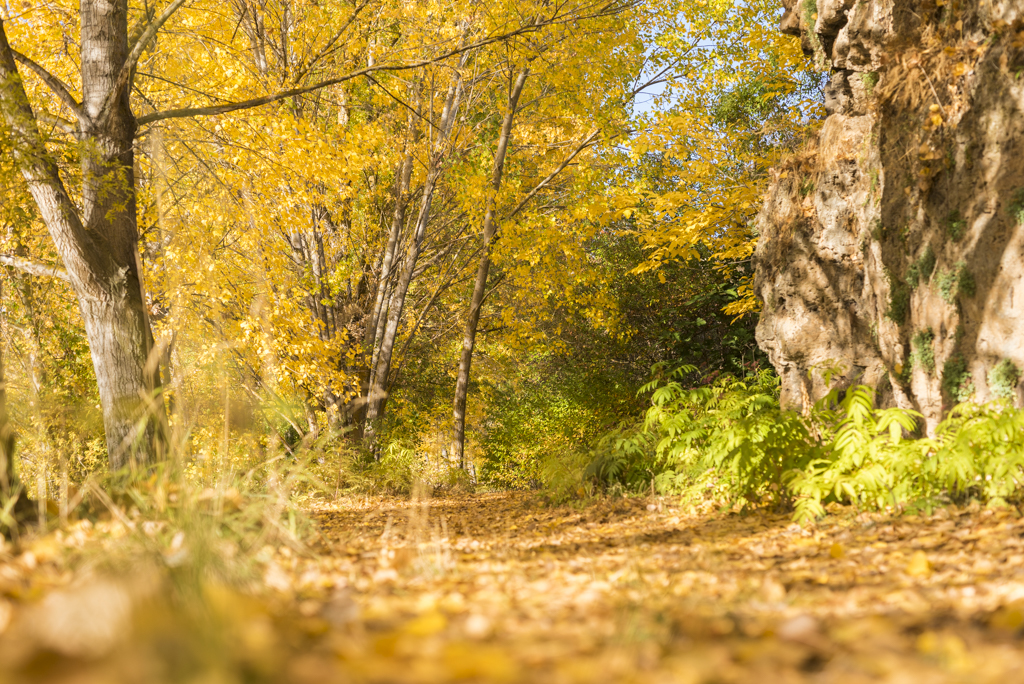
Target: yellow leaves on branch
734, 104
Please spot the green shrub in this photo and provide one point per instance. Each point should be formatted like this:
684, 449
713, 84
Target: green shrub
979, 452
899, 301
394, 473
866, 461
810, 12
922, 352
965, 280
1003, 379
956, 379
913, 276
955, 226
1016, 206
734, 427
946, 283
921, 270
957, 281
732, 436
870, 80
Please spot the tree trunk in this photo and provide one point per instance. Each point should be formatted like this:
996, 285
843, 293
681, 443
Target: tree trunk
9, 485
99, 248
480, 285
379, 378
373, 331
7, 478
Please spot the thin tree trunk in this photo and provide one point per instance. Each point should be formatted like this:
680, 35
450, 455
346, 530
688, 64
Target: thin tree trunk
7, 479
379, 378
9, 485
480, 286
374, 329
402, 182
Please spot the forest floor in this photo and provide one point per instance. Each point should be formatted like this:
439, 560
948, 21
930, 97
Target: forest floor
500, 588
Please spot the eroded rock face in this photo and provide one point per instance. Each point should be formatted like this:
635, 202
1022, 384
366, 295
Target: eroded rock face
893, 246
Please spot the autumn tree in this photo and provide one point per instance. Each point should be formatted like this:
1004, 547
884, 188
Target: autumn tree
94, 228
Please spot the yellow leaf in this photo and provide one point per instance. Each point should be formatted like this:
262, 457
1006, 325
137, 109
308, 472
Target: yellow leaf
837, 551
919, 565
1008, 618
427, 624
479, 662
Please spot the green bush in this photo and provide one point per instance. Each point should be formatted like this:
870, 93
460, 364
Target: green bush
899, 301
956, 379
922, 352
957, 281
395, 472
921, 270
978, 452
1003, 379
733, 436
955, 226
734, 427
870, 80
965, 280
1016, 206
864, 461
946, 282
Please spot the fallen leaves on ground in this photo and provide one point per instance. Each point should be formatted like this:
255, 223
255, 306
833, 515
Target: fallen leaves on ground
498, 588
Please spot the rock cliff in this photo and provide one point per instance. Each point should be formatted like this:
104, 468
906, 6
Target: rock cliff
891, 247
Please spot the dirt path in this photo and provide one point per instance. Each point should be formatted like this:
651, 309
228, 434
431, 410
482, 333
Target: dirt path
497, 588
491, 587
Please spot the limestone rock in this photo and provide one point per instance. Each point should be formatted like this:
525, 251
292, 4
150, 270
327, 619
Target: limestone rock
892, 246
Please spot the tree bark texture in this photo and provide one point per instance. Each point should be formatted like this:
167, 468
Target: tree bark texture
480, 285
99, 246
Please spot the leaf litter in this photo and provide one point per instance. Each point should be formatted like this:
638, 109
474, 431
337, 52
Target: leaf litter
501, 588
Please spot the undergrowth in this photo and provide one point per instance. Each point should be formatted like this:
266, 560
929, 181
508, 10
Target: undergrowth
955, 282
921, 270
1003, 379
922, 353
733, 438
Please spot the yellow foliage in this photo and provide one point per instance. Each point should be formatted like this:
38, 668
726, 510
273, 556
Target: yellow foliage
732, 103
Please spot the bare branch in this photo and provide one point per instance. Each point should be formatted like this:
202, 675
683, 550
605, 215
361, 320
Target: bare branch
58, 122
34, 267
399, 100
125, 75
292, 92
213, 110
330, 43
551, 176
61, 89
